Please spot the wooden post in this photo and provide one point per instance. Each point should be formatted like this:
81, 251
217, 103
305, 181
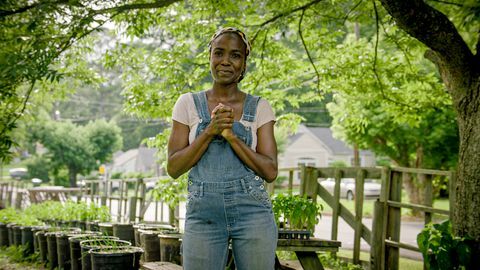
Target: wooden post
132, 208
18, 199
290, 182
120, 201
376, 247
452, 192
141, 198
393, 224
303, 176
359, 192
9, 194
103, 200
428, 196
336, 204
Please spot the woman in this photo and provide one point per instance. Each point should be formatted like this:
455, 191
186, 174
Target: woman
225, 138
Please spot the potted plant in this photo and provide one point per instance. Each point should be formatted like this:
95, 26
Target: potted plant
296, 216
103, 243
121, 258
442, 250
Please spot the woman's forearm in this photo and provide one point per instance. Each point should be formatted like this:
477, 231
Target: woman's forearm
266, 167
183, 160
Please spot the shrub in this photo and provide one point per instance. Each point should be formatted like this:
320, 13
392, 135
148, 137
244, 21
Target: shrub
442, 250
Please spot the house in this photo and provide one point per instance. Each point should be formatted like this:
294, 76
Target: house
138, 160
316, 146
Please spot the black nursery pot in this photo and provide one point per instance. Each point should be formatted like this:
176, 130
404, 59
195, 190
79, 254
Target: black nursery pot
17, 235
87, 245
75, 250
63, 249
121, 258
27, 239
42, 245
10, 233
124, 231
3, 235
170, 248
52, 249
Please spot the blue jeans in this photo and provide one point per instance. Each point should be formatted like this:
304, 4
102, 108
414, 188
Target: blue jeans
239, 210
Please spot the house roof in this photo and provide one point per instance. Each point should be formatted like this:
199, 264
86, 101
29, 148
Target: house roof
325, 135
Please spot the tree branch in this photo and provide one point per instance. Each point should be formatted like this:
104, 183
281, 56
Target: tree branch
119, 9
281, 15
5, 13
432, 28
307, 51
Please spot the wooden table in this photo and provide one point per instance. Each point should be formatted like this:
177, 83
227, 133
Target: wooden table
306, 250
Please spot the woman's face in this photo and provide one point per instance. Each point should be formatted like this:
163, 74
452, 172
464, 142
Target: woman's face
227, 58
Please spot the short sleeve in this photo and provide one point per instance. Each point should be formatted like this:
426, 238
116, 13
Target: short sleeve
265, 113
180, 110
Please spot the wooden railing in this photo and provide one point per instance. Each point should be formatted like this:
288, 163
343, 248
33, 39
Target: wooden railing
386, 244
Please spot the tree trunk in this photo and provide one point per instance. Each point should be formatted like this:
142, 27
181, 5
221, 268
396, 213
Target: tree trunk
72, 176
460, 71
467, 205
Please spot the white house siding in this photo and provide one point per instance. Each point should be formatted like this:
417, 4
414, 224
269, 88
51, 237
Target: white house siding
306, 145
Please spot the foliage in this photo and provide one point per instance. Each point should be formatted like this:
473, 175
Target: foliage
338, 164
8, 215
68, 211
442, 250
171, 191
38, 167
80, 149
336, 263
298, 212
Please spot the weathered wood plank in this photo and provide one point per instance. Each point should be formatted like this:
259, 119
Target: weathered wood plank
370, 173
312, 242
418, 207
308, 261
393, 225
336, 204
376, 247
344, 213
359, 191
160, 266
421, 171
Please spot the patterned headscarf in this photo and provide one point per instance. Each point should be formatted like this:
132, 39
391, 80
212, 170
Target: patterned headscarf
231, 30
241, 35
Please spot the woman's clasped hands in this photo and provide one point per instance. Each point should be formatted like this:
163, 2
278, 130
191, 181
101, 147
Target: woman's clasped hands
221, 123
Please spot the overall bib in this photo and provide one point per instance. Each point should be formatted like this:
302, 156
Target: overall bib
227, 204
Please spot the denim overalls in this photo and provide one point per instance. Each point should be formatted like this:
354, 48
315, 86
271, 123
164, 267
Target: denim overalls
227, 201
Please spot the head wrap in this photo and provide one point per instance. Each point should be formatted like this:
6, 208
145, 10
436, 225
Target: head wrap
240, 34
231, 30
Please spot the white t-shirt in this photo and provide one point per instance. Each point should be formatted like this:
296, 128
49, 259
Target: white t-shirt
185, 112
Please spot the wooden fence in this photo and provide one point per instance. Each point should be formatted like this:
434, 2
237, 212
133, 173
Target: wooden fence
384, 237
129, 200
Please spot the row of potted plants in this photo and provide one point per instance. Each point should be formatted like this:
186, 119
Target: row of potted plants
62, 244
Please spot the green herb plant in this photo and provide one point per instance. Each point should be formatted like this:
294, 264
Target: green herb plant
296, 212
442, 250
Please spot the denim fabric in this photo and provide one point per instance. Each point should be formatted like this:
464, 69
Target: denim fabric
227, 205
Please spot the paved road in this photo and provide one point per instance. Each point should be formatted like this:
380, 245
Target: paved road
408, 234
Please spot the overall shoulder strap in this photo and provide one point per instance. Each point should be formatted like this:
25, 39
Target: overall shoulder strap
250, 108
200, 100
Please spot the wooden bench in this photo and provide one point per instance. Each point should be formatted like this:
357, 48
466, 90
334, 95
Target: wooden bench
306, 251
160, 266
